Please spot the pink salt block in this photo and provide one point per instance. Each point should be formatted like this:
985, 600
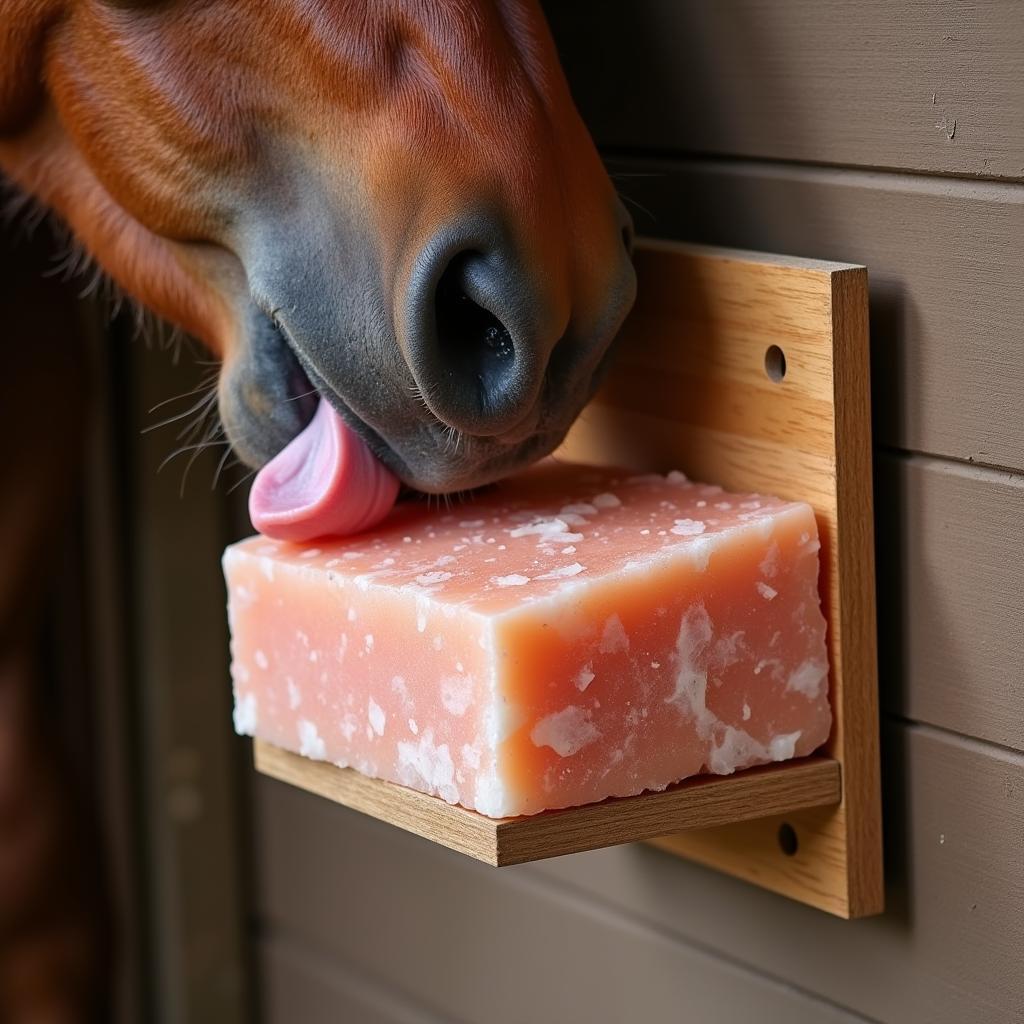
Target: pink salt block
569, 635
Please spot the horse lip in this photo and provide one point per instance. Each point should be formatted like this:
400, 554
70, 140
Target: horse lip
377, 445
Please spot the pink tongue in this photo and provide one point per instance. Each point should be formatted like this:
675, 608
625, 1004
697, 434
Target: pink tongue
326, 482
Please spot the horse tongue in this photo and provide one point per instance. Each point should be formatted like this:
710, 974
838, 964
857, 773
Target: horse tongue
325, 482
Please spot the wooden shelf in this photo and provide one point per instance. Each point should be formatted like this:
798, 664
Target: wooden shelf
703, 802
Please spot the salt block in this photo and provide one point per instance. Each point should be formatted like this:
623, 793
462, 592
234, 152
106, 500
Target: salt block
568, 635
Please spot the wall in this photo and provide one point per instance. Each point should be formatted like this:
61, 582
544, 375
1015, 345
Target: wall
886, 133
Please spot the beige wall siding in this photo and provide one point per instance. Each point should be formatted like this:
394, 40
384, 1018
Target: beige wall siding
804, 127
631, 926
501, 947
920, 85
951, 596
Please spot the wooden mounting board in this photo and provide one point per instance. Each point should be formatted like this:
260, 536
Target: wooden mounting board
689, 389
703, 802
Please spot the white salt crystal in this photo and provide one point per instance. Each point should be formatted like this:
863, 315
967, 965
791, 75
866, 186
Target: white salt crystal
770, 563
783, 747
427, 579
311, 744
513, 580
457, 694
688, 527
566, 732
613, 636
565, 571
246, 716
375, 713
808, 678
585, 677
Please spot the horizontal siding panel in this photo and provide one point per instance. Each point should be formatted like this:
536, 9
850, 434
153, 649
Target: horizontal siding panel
488, 946
950, 947
299, 988
951, 596
595, 936
944, 261
932, 86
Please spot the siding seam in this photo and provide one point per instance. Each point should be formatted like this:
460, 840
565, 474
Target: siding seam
988, 749
981, 473
612, 151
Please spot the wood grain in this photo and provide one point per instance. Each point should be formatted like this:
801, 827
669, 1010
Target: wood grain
690, 390
478, 945
701, 802
932, 86
945, 301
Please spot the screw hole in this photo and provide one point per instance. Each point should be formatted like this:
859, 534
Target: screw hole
788, 842
775, 363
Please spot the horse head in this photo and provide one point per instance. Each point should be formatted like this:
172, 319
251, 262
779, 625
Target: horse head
392, 205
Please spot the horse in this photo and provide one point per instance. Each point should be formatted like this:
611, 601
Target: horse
391, 207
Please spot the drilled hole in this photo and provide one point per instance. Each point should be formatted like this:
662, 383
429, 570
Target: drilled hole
775, 363
788, 842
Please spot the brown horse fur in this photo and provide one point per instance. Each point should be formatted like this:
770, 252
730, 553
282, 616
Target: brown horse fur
288, 181
292, 182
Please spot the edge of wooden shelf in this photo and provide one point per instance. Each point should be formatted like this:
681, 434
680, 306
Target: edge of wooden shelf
705, 801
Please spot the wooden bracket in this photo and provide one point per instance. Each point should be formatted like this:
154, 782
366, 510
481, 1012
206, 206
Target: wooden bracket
749, 371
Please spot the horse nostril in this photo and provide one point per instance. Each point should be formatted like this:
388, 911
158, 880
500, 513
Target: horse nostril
627, 238
475, 343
